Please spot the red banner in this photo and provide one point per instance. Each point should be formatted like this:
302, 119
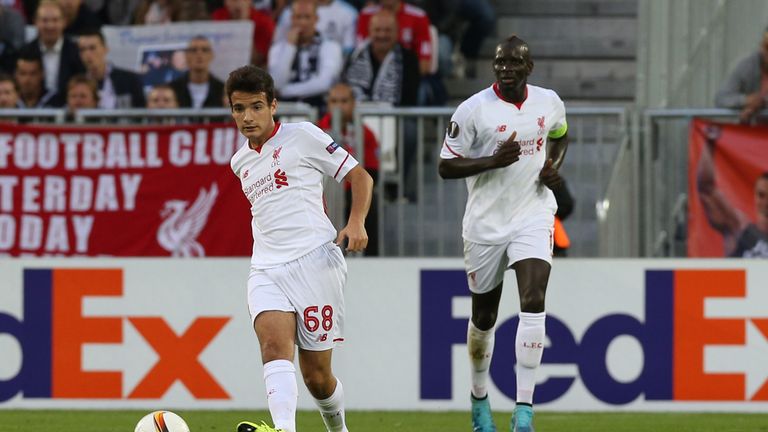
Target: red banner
121, 191
727, 190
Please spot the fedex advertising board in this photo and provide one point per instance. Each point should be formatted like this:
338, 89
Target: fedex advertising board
621, 334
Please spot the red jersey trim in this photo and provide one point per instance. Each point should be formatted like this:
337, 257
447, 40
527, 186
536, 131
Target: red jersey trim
342, 164
451, 150
274, 131
501, 96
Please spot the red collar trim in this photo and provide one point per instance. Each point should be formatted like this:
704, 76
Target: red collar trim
274, 131
519, 105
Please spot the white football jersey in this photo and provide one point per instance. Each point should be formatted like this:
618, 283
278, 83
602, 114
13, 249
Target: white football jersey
283, 182
499, 199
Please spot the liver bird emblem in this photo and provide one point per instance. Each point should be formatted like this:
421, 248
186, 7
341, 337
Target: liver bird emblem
181, 226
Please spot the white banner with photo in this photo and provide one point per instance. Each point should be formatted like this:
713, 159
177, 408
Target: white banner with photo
157, 51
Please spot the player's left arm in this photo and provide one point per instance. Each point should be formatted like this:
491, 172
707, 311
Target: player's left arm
362, 191
557, 146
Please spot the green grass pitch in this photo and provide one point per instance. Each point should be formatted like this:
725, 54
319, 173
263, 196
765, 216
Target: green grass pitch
389, 421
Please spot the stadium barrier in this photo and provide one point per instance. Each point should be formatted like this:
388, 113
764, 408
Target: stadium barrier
627, 172
175, 333
664, 187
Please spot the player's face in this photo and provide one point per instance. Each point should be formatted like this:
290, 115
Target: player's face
80, 96
254, 115
8, 95
92, 51
761, 198
512, 64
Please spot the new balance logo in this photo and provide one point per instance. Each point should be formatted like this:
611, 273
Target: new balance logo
501, 128
281, 178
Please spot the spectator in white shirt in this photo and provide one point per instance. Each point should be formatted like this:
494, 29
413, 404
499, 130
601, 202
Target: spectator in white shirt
118, 88
306, 64
336, 20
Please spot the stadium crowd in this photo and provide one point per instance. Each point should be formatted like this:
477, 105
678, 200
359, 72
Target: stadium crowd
386, 50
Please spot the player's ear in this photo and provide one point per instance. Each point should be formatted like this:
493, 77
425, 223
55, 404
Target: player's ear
530, 67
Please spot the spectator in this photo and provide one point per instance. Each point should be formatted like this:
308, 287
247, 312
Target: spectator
336, 20
82, 92
78, 17
118, 88
118, 12
340, 96
31, 82
193, 10
263, 26
198, 88
381, 69
306, 64
162, 97
746, 88
447, 16
8, 56
151, 12
413, 25
11, 27
61, 59
9, 92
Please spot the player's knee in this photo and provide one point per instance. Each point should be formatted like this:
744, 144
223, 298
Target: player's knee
319, 382
274, 350
484, 320
532, 301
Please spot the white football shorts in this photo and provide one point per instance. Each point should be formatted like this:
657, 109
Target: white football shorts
485, 264
312, 287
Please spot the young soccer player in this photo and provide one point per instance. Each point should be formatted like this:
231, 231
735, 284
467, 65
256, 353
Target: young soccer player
508, 141
297, 271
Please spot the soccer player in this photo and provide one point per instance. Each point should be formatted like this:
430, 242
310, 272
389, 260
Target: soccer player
508, 141
297, 271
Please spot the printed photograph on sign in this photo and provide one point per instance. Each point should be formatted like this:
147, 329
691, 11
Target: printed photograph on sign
161, 64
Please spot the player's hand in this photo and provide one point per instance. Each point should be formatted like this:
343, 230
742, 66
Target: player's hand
549, 175
507, 153
356, 236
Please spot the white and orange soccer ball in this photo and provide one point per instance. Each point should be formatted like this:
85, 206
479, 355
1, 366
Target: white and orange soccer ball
161, 421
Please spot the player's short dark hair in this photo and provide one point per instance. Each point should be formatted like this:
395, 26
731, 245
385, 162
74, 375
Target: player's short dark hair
94, 32
250, 79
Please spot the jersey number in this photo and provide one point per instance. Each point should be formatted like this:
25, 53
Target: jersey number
312, 322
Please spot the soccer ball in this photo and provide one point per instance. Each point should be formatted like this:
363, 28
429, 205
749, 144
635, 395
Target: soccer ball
161, 421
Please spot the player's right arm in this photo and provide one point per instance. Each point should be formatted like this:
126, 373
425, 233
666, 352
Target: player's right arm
719, 212
460, 167
459, 138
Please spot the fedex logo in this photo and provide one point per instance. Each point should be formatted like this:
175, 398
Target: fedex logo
53, 331
676, 335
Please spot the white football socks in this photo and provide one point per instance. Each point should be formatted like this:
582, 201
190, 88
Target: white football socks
480, 346
282, 393
332, 410
529, 345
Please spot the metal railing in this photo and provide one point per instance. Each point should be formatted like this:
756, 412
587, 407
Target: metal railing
665, 177
420, 214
